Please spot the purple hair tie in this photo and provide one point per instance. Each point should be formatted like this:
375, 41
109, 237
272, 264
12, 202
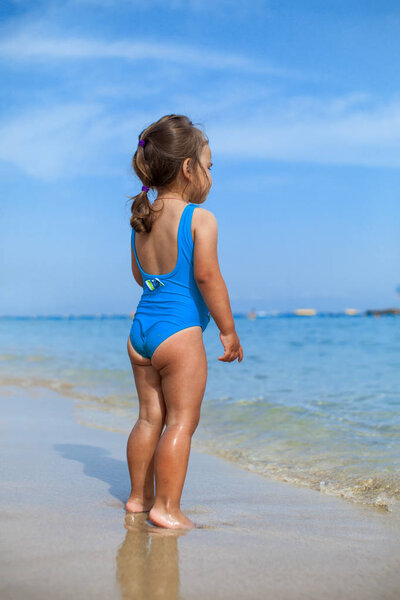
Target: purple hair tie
145, 188
141, 142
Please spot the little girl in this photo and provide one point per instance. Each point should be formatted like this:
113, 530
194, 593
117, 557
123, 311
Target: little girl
174, 259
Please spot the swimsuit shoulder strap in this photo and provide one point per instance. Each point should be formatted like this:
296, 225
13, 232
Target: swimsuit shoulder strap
185, 234
134, 249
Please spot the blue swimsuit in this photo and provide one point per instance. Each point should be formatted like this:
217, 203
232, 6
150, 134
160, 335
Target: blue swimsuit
169, 302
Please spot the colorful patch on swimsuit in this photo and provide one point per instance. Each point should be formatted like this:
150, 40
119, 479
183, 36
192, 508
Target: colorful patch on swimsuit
153, 284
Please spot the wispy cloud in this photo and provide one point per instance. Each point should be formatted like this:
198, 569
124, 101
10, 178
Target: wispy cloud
239, 9
55, 141
28, 47
97, 122
77, 139
335, 132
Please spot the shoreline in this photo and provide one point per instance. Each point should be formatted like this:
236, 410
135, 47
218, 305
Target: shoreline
66, 534
382, 498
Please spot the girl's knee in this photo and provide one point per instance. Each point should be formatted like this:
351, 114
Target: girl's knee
185, 424
154, 421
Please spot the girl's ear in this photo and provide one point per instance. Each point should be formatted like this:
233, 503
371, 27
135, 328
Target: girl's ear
187, 167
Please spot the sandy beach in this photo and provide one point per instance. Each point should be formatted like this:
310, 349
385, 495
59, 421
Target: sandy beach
65, 533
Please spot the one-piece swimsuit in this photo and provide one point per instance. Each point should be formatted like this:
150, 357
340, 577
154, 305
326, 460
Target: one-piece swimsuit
172, 301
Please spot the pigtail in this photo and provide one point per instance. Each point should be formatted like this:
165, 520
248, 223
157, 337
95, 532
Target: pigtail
141, 219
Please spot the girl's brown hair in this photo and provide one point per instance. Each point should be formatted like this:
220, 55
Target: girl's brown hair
168, 142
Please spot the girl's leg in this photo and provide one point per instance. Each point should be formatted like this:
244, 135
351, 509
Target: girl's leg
145, 435
182, 364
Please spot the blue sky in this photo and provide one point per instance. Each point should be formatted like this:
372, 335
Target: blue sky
301, 104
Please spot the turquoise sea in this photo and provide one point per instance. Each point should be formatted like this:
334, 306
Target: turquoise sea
315, 401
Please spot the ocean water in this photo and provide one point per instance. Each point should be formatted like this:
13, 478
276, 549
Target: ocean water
315, 401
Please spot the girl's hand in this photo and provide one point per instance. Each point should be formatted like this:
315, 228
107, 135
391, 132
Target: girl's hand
232, 347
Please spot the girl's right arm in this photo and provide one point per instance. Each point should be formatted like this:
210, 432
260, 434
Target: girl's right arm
211, 284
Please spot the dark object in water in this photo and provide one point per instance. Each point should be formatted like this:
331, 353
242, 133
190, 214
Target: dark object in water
383, 311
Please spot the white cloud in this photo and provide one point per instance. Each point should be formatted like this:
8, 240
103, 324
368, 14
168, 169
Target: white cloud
235, 8
56, 141
333, 132
28, 47
88, 139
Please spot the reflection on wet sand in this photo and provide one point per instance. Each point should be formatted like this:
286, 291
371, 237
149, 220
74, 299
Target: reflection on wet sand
148, 561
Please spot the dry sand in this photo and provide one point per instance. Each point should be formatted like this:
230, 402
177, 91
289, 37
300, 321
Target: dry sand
65, 534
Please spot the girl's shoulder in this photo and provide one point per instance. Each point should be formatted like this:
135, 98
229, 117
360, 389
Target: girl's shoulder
203, 215
204, 222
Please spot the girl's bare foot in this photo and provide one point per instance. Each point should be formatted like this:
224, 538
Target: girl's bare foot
133, 505
172, 520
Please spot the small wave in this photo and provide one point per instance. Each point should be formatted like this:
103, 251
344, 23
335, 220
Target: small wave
37, 358
27, 357
9, 357
67, 389
380, 491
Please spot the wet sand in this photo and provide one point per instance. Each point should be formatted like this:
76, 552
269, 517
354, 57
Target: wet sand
65, 534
